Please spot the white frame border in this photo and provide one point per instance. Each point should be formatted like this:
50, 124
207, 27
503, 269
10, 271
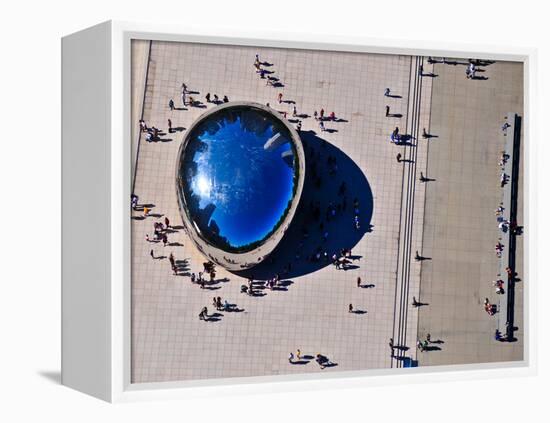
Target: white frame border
121, 389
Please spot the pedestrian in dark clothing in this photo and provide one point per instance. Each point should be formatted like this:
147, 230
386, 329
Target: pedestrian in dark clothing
387, 111
207, 97
225, 99
169, 126
398, 158
171, 104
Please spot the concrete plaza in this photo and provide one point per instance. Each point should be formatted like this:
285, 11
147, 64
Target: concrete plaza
170, 343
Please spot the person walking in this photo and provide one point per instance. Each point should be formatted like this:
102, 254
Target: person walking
358, 282
152, 253
171, 105
169, 126
183, 99
387, 111
398, 158
280, 98
294, 112
291, 358
298, 354
207, 96
216, 99
350, 308
225, 99
142, 125
387, 92
167, 222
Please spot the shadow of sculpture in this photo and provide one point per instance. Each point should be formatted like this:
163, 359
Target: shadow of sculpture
324, 222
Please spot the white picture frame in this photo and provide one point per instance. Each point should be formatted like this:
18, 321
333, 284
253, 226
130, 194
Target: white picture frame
96, 223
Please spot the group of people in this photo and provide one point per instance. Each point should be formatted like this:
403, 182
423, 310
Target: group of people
160, 232
151, 133
320, 359
209, 268
252, 284
425, 344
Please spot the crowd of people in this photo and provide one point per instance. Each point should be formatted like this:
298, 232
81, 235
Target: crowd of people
505, 226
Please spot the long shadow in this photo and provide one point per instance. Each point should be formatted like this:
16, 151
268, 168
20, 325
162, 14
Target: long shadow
296, 253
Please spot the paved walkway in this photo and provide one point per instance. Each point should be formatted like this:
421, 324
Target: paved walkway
460, 229
169, 342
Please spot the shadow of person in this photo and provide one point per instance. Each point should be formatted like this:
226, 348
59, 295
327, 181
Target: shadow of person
293, 255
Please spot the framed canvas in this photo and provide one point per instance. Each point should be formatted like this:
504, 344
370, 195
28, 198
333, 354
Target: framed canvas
268, 212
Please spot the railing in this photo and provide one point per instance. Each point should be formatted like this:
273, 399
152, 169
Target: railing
512, 134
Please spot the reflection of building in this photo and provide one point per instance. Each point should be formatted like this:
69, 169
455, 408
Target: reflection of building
205, 214
288, 158
275, 141
236, 147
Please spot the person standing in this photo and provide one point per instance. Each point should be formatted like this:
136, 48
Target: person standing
358, 282
169, 126
167, 222
183, 99
350, 308
387, 111
398, 158
171, 105
207, 96
280, 98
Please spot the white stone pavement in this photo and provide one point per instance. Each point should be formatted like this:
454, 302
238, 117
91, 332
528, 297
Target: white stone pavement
168, 341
